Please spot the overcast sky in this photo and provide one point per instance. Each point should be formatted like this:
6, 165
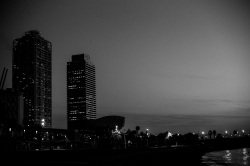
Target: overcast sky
178, 65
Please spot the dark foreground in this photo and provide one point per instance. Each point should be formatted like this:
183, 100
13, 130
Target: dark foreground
179, 156
182, 155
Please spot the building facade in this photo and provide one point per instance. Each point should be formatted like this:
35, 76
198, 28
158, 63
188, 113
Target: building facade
81, 91
32, 77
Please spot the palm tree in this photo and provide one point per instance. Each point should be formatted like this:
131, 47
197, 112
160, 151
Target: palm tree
210, 133
136, 138
137, 129
214, 133
235, 132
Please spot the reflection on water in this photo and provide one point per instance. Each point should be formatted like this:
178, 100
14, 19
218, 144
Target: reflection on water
246, 156
227, 157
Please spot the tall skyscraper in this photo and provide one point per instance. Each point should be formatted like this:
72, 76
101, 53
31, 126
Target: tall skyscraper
32, 77
81, 91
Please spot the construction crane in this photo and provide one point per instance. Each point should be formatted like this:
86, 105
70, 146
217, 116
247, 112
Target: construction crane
3, 77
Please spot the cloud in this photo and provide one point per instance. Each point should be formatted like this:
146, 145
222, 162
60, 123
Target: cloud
214, 100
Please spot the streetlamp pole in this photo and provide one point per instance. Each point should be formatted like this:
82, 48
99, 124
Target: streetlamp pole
147, 136
125, 142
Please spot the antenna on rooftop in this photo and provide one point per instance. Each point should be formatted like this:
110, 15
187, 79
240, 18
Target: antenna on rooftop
3, 77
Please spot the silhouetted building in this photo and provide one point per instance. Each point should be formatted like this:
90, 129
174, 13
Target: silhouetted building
32, 77
81, 91
11, 112
110, 122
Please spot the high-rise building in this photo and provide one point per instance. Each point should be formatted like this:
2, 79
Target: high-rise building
32, 77
81, 91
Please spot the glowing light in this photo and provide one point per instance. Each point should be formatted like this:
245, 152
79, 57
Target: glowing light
147, 132
43, 122
227, 156
203, 132
226, 132
169, 135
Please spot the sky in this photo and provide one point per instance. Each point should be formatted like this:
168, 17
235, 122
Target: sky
166, 65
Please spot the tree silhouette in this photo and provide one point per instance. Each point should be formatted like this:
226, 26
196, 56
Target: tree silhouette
210, 133
136, 138
137, 129
235, 132
161, 139
214, 133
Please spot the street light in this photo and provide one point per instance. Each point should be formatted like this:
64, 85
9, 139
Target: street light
203, 133
125, 141
226, 133
147, 133
10, 132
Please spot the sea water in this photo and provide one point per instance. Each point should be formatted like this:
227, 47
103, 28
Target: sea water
235, 157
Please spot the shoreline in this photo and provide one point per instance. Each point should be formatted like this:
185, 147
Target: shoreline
179, 155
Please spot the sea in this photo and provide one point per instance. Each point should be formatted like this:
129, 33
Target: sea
235, 157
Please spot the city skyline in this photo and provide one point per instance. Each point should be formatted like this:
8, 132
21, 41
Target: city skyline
167, 65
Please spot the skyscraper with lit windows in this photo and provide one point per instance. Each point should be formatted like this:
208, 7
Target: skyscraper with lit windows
81, 91
31, 75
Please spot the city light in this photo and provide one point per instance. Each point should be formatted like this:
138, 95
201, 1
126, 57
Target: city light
43, 122
147, 132
202, 132
169, 134
226, 132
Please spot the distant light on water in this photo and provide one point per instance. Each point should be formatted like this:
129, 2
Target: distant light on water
227, 157
232, 157
245, 156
